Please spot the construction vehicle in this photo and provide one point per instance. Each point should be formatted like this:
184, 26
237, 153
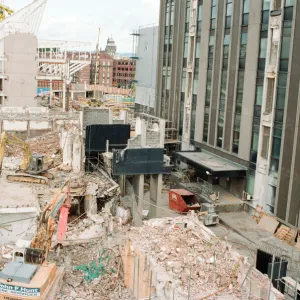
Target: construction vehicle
29, 275
32, 169
4, 9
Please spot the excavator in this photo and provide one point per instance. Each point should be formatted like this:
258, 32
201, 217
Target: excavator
4, 9
30, 276
32, 169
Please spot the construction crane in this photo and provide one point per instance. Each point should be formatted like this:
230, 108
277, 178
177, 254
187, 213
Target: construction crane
29, 275
4, 9
32, 169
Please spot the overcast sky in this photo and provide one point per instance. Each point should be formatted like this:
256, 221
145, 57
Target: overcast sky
76, 20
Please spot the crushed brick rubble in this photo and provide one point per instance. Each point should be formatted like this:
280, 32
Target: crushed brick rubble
108, 286
192, 257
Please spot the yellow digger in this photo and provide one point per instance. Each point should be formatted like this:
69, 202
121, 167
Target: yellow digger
32, 169
29, 276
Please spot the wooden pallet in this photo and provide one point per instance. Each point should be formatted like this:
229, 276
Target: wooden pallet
286, 234
258, 213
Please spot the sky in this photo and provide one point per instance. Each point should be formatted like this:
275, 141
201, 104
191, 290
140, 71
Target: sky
75, 20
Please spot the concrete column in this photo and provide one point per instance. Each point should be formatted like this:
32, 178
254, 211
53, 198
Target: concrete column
138, 187
90, 200
67, 146
90, 204
50, 92
155, 196
216, 75
64, 96
77, 156
250, 78
233, 69
201, 93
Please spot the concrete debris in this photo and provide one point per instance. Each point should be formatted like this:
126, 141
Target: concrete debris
47, 144
194, 261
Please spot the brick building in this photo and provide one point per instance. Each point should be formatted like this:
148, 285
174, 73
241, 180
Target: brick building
104, 63
123, 72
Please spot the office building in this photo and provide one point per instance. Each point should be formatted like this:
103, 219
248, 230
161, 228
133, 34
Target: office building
146, 65
228, 81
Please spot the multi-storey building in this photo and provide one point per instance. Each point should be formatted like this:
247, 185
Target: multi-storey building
228, 80
111, 47
104, 64
124, 72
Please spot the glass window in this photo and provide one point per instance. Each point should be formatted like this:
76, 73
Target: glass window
265, 17
213, 12
229, 9
266, 5
289, 3
255, 138
276, 147
212, 40
228, 22
263, 48
226, 39
288, 13
284, 65
280, 102
244, 38
259, 95
282, 79
250, 184
200, 13
213, 24
245, 20
198, 49
246, 7
285, 47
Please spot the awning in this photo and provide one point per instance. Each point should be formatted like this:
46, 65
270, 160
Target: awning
212, 164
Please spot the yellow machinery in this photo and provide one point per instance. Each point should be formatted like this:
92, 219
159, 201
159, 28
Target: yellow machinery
32, 169
4, 9
29, 276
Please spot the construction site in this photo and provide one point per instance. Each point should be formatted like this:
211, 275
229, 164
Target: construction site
91, 205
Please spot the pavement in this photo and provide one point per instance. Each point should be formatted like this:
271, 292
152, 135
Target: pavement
243, 225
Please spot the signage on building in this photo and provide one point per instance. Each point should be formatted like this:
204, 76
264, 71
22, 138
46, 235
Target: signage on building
19, 290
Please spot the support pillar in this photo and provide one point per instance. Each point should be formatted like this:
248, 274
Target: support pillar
155, 197
90, 204
64, 96
77, 156
138, 205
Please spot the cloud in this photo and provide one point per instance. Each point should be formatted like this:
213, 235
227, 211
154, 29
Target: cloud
79, 20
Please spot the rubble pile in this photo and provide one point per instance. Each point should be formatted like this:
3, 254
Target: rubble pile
81, 263
5, 255
93, 269
47, 144
196, 261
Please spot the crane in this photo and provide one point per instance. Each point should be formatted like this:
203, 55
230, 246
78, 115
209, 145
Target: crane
32, 169
4, 9
30, 275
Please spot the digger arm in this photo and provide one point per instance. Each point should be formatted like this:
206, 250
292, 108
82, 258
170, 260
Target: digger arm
60, 202
3, 9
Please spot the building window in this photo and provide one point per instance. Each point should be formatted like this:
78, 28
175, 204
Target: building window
245, 17
228, 14
213, 14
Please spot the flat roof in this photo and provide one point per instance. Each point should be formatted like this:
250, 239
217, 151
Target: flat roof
214, 164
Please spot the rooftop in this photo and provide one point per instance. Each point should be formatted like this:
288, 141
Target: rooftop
214, 164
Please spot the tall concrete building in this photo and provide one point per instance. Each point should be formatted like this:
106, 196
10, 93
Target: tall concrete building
146, 65
228, 80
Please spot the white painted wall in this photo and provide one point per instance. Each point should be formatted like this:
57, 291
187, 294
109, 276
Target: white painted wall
21, 69
15, 222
